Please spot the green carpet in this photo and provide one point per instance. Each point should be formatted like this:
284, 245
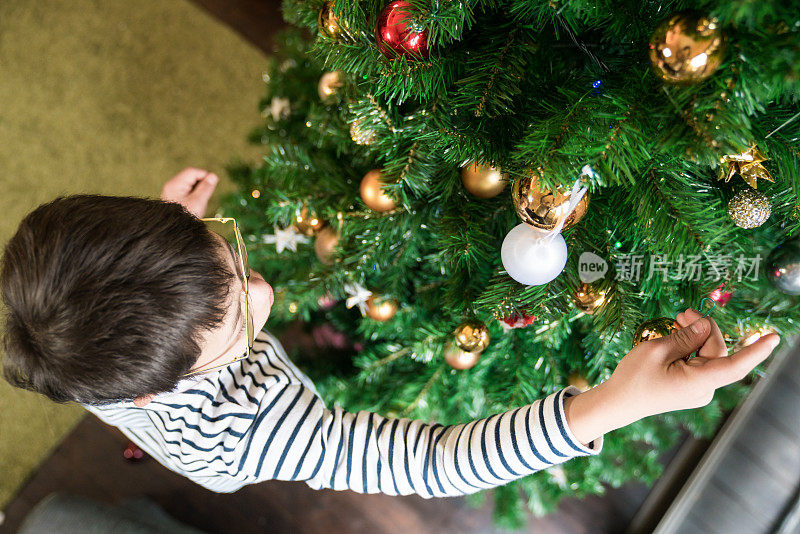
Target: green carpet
109, 97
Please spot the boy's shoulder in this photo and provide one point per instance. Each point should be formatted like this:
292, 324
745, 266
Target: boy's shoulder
242, 384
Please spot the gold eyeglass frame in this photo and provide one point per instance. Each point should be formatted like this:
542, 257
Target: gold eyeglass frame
245, 269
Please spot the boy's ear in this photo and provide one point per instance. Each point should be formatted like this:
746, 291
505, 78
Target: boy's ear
141, 402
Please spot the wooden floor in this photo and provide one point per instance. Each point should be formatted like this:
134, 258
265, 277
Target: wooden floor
90, 463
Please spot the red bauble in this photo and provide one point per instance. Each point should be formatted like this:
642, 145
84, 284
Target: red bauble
394, 36
720, 296
516, 321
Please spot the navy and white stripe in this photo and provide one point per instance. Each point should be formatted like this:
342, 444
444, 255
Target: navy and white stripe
262, 418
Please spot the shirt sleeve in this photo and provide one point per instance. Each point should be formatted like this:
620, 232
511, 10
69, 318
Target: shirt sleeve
295, 437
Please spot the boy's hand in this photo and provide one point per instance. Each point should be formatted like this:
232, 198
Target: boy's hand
655, 378
192, 188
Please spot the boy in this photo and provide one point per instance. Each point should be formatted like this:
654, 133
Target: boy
134, 308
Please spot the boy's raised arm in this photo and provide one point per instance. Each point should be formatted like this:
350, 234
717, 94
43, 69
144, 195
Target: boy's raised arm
300, 439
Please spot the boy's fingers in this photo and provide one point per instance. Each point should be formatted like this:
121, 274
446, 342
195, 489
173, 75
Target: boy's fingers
724, 371
688, 317
685, 341
714, 346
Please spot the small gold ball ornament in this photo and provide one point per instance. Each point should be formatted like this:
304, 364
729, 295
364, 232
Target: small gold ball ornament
575, 379
544, 209
749, 208
330, 85
381, 309
307, 224
324, 244
461, 359
372, 192
750, 335
483, 181
472, 336
360, 134
328, 24
588, 298
687, 48
654, 329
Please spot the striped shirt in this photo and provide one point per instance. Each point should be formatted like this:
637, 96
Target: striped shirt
261, 418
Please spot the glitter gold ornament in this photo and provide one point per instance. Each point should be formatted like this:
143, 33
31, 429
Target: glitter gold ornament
749, 208
329, 86
381, 309
461, 359
654, 329
372, 193
588, 298
483, 181
360, 134
575, 379
687, 48
747, 165
544, 209
472, 336
324, 244
329, 24
307, 224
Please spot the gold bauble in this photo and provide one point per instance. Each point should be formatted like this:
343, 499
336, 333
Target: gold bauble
750, 335
749, 208
687, 48
361, 135
329, 24
483, 181
324, 244
544, 209
330, 85
588, 298
472, 336
575, 379
372, 193
381, 309
461, 359
654, 329
307, 224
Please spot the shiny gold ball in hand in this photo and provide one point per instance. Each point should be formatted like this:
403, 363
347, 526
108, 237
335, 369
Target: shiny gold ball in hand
381, 309
372, 192
472, 336
687, 48
483, 181
544, 209
654, 329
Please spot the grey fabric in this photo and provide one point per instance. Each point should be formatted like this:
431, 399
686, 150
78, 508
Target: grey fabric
72, 514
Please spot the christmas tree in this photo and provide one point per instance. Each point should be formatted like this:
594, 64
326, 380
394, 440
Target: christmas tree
500, 198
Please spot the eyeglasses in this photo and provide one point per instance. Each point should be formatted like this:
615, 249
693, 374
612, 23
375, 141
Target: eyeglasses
230, 232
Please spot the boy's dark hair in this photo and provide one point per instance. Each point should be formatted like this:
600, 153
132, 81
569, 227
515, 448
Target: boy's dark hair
106, 297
